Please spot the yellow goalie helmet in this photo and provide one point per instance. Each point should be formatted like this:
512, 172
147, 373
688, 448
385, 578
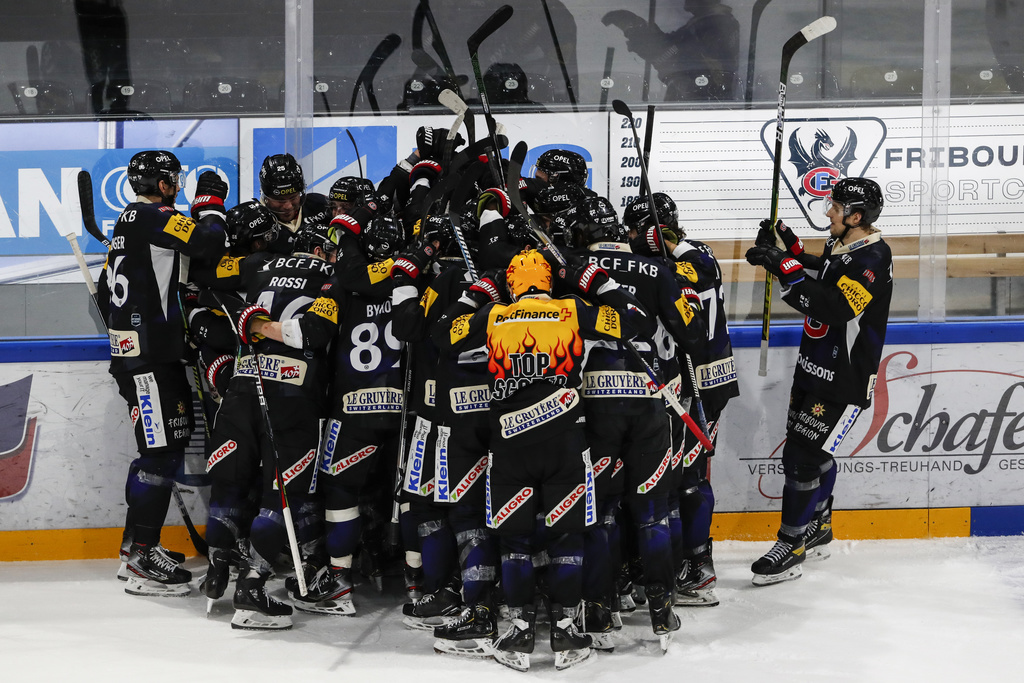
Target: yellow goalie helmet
528, 273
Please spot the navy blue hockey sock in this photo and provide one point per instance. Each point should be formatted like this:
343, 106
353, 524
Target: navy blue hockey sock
654, 539
268, 538
565, 573
675, 529
437, 545
149, 494
228, 504
517, 576
478, 554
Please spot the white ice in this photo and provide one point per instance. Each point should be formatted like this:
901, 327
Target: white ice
911, 610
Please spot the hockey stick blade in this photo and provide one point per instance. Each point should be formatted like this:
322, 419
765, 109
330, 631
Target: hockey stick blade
88, 210
818, 28
622, 109
492, 24
449, 99
515, 169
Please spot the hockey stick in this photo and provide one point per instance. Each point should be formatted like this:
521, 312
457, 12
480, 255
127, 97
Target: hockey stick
648, 141
85, 198
455, 103
359, 159
286, 512
755, 19
622, 109
558, 53
395, 528
815, 29
456, 220
646, 86
609, 59
383, 50
486, 30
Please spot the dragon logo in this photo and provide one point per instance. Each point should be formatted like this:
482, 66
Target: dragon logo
821, 152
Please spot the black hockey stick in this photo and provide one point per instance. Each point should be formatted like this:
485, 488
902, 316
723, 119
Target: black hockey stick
261, 398
451, 177
815, 29
359, 159
558, 53
755, 19
486, 30
85, 198
622, 109
395, 527
648, 141
646, 86
606, 81
384, 49
465, 186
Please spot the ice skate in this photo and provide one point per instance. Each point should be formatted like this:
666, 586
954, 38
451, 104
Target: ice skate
513, 648
151, 572
571, 647
257, 611
819, 534
596, 621
218, 572
125, 554
664, 620
328, 592
781, 563
435, 609
471, 635
695, 585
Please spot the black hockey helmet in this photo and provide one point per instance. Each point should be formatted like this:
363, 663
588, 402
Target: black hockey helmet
312, 236
147, 169
555, 201
382, 238
596, 221
520, 232
637, 215
349, 188
859, 194
281, 177
248, 222
563, 166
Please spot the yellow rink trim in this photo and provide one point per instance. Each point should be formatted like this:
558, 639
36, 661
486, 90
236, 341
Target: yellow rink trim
80, 544
851, 524
96, 544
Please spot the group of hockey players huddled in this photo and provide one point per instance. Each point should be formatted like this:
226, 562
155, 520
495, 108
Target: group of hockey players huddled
418, 355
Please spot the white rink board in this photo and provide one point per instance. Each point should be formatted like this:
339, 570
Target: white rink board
84, 442
717, 166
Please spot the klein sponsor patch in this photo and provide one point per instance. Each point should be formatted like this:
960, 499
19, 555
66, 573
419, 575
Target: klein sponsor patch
856, 295
229, 266
511, 506
150, 411
521, 421
460, 327
442, 492
325, 308
181, 226
226, 449
417, 450
376, 400
124, 344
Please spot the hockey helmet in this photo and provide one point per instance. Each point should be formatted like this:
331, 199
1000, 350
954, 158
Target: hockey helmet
248, 222
382, 238
528, 273
281, 177
563, 166
350, 189
596, 221
147, 169
311, 237
859, 194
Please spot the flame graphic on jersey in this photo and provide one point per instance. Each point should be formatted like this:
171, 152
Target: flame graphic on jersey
560, 341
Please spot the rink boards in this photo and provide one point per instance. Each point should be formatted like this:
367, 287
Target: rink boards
939, 453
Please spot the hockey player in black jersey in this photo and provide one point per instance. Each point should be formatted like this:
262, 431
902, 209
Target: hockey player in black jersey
283, 191
845, 295
628, 430
715, 367
292, 364
139, 289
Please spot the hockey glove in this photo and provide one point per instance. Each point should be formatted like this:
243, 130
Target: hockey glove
431, 141
778, 263
428, 170
587, 277
410, 264
494, 199
246, 317
210, 194
489, 287
353, 222
766, 238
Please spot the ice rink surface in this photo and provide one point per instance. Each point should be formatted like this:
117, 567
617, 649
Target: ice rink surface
910, 610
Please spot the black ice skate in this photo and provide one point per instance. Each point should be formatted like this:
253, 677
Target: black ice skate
126, 554
329, 591
151, 572
257, 611
218, 575
596, 621
695, 585
569, 645
664, 620
819, 534
435, 609
781, 563
513, 648
471, 635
